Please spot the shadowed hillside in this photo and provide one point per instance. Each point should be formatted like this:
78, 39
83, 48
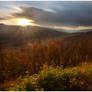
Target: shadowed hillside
21, 36
17, 35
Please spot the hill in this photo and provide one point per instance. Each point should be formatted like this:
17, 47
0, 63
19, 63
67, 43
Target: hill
17, 35
21, 36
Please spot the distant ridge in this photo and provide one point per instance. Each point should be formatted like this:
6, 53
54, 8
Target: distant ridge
17, 35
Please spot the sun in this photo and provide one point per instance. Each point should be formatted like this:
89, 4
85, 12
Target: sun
23, 22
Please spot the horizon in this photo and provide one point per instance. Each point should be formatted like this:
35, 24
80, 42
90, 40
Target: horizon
71, 15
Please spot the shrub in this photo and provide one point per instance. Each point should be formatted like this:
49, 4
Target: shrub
57, 79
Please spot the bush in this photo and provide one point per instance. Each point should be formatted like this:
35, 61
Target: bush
57, 79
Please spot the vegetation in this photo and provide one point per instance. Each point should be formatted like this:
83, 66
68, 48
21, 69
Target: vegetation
56, 79
14, 62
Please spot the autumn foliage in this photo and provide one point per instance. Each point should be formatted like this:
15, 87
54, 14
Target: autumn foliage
14, 62
51, 78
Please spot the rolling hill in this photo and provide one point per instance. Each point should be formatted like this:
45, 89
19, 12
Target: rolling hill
17, 35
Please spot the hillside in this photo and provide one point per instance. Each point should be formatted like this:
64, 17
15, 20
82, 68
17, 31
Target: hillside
72, 50
21, 36
17, 35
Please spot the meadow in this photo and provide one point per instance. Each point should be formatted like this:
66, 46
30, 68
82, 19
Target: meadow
57, 61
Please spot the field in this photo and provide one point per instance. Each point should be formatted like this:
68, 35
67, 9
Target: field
52, 60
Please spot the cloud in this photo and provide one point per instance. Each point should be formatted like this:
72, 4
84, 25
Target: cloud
55, 13
42, 17
79, 14
73, 28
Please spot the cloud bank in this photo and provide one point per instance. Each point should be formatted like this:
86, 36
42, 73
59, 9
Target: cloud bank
68, 14
56, 13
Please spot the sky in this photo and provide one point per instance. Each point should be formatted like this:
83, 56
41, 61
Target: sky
68, 15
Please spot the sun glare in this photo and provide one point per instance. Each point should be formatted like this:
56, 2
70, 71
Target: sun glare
23, 22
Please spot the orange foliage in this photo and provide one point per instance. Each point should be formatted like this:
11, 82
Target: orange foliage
15, 62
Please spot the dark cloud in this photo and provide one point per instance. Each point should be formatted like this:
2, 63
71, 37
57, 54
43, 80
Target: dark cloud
38, 15
66, 13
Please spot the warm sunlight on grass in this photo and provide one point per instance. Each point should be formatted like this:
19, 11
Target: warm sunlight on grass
23, 22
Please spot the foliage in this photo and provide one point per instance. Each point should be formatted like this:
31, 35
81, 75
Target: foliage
57, 79
14, 62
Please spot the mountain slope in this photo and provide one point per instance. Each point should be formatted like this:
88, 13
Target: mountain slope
17, 35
